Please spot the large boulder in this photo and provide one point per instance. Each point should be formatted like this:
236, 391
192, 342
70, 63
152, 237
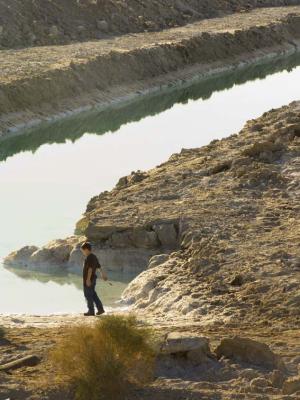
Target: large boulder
195, 348
56, 252
249, 351
52, 255
20, 258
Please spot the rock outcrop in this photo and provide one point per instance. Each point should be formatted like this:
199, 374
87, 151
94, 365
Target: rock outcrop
222, 225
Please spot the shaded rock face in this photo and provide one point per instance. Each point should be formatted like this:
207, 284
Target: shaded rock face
249, 351
126, 260
193, 347
162, 235
48, 258
184, 354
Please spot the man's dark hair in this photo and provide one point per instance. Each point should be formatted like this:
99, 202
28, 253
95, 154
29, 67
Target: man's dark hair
86, 246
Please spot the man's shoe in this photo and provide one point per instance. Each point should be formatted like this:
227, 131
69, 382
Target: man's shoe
100, 312
89, 314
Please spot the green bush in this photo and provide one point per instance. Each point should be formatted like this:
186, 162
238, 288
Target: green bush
106, 360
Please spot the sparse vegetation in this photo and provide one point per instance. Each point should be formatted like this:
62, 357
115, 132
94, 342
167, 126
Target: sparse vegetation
106, 360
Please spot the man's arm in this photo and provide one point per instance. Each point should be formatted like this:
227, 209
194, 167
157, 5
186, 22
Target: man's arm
103, 275
89, 277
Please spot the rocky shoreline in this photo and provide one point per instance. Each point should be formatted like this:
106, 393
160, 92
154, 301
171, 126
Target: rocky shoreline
59, 81
212, 234
220, 222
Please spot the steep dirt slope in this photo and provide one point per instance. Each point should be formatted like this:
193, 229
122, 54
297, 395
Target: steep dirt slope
223, 221
236, 207
43, 22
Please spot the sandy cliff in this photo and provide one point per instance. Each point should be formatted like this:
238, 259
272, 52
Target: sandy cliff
222, 222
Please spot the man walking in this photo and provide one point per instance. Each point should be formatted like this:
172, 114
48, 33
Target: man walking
90, 266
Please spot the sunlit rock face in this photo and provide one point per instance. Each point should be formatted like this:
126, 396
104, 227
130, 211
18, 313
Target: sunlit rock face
214, 231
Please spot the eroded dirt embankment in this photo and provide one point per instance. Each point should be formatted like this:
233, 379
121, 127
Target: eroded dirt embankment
39, 83
26, 23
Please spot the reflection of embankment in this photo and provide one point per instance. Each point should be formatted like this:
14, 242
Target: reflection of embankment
112, 119
61, 278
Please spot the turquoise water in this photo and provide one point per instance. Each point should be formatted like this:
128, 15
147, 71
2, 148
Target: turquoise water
48, 175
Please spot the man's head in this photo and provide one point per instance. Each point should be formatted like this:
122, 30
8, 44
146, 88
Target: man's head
86, 248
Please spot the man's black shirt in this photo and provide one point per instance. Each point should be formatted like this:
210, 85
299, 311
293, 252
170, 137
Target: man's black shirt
92, 262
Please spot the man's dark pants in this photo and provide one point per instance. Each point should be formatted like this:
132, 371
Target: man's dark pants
91, 297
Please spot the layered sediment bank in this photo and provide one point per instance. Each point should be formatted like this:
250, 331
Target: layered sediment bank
45, 83
25, 23
222, 222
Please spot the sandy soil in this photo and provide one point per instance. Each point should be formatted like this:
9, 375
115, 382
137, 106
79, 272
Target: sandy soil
33, 62
38, 383
47, 22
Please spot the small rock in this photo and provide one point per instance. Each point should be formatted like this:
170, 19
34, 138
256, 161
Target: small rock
123, 182
238, 280
195, 348
102, 25
31, 38
260, 382
80, 28
137, 176
295, 263
291, 385
53, 31
157, 260
167, 235
277, 378
251, 351
249, 374
1, 30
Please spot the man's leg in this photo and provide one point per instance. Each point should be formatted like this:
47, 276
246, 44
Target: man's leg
97, 301
89, 296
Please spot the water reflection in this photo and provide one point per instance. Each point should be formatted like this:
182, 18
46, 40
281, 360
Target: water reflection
112, 119
65, 278
38, 293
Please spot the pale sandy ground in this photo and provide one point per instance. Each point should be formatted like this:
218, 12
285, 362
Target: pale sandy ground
21, 64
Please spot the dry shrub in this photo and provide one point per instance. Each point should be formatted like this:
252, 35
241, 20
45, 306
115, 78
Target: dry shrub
106, 360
